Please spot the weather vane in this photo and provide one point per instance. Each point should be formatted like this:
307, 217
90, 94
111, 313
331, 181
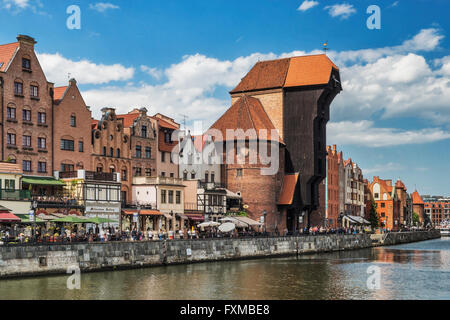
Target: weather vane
325, 47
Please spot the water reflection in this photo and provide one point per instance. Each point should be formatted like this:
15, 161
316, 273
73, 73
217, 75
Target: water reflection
413, 271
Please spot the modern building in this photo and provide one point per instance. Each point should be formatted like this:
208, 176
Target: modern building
437, 209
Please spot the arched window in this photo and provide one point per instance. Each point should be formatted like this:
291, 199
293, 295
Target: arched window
118, 153
18, 87
73, 120
11, 112
111, 152
99, 168
34, 90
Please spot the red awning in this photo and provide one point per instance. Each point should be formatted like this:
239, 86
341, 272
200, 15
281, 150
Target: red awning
195, 217
9, 217
143, 212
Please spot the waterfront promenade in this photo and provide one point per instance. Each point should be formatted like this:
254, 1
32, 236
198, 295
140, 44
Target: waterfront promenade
31, 260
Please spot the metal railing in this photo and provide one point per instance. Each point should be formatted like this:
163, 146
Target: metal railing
15, 195
101, 176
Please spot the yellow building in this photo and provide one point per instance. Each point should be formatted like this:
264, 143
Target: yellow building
11, 194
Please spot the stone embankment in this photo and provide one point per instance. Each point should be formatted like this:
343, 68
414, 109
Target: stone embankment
20, 261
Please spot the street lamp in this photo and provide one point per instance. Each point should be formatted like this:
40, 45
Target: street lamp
33, 216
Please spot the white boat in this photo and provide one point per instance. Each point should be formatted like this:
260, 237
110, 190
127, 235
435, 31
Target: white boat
445, 232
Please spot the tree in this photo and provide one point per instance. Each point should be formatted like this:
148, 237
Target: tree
374, 219
416, 219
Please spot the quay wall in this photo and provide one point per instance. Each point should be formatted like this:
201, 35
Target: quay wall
33, 260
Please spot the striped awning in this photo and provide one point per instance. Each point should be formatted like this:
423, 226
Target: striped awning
9, 217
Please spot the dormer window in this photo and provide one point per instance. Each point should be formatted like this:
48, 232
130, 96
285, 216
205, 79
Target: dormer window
26, 63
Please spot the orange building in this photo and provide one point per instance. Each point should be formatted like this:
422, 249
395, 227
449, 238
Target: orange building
418, 206
388, 204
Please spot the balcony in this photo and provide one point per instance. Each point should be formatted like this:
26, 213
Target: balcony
210, 185
158, 181
58, 201
15, 195
90, 176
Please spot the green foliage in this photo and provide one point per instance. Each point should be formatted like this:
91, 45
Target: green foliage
416, 219
374, 219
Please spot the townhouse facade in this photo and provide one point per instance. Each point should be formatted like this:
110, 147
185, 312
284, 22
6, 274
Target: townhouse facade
388, 204
333, 203
26, 99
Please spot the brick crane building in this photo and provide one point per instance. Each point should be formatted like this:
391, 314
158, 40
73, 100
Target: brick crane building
295, 94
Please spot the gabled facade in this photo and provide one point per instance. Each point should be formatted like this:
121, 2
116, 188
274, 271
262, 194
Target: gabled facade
142, 130
199, 160
333, 204
418, 207
26, 109
72, 130
166, 167
111, 150
387, 201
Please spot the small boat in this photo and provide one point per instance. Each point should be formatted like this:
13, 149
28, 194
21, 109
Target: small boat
445, 232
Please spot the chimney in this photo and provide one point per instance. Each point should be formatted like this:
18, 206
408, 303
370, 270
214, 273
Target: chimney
26, 40
143, 112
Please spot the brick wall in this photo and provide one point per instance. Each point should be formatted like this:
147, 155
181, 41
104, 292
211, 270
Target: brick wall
73, 104
43, 103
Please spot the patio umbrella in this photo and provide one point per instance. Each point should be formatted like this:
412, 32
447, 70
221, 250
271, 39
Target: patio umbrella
98, 220
69, 220
227, 227
209, 224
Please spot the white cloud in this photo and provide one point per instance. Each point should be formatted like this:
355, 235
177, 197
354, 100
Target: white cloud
388, 82
154, 72
16, 6
103, 6
343, 10
57, 67
307, 4
365, 134
383, 168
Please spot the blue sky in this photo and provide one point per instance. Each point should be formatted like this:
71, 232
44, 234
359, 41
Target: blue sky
182, 57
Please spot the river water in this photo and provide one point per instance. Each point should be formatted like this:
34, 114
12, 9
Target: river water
412, 271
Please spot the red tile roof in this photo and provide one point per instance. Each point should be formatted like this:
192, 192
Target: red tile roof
400, 185
416, 198
247, 114
6, 54
128, 119
164, 124
58, 93
289, 72
288, 190
6, 167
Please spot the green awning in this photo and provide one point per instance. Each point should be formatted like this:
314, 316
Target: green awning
69, 219
44, 181
26, 219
